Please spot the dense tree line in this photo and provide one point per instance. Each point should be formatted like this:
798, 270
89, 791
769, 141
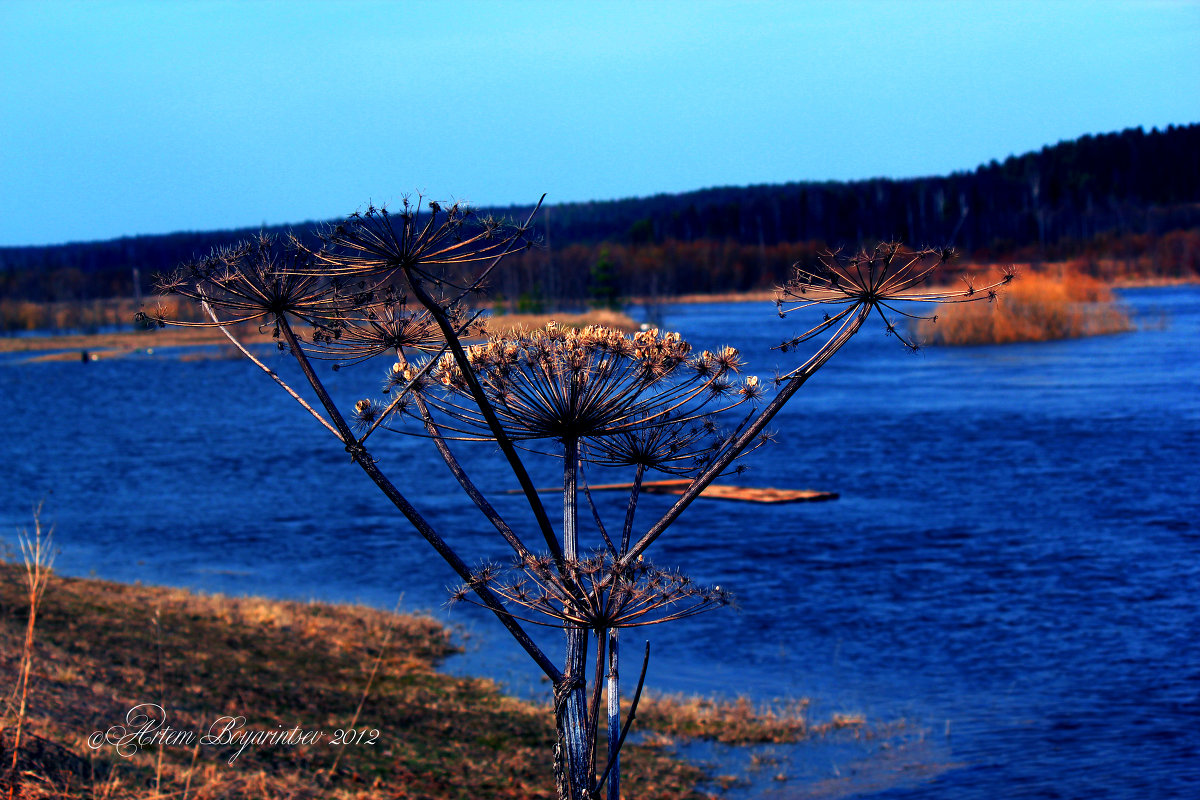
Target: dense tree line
1132, 195
1127, 182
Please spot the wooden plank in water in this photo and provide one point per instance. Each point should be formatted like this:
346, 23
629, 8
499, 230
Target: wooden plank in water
717, 491
752, 495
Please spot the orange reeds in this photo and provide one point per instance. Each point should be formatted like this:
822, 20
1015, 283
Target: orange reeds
1040, 307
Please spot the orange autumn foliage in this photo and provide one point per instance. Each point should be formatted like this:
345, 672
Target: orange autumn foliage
1037, 307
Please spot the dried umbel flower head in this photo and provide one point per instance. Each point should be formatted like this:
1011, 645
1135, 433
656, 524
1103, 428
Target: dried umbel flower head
383, 323
436, 242
567, 383
595, 593
677, 448
875, 280
259, 280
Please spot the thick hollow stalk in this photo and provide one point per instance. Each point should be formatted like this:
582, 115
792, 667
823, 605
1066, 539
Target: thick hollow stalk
614, 717
571, 704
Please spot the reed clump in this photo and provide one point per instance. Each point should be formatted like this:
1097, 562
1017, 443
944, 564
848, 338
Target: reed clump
501, 324
1040, 307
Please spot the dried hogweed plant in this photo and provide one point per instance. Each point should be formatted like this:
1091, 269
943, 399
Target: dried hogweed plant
399, 286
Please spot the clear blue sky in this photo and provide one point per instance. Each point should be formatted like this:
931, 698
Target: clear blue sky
121, 118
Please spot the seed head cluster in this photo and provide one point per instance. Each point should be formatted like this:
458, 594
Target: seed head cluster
875, 280
594, 593
439, 243
257, 281
350, 289
590, 383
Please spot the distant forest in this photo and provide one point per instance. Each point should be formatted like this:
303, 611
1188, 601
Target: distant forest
1117, 204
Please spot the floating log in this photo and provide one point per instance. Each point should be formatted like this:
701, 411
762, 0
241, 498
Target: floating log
714, 491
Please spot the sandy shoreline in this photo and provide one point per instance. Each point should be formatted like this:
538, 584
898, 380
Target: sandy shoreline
72, 347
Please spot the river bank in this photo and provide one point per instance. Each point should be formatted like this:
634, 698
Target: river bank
195, 661
258, 698
1000, 614
116, 344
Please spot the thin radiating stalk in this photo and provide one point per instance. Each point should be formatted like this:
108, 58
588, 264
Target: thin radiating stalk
594, 706
485, 407
798, 379
274, 376
467, 484
627, 530
633, 707
608, 542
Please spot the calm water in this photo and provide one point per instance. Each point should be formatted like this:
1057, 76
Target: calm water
1012, 573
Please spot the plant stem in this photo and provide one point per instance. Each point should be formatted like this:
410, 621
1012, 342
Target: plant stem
798, 379
468, 486
573, 698
489, 414
633, 499
614, 717
360, 456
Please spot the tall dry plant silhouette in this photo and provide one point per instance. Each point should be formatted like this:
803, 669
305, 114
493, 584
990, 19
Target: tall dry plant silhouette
401, 285
37, 553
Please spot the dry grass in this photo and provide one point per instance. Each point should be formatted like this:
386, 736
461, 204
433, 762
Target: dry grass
1037, 307
110, 345
67, 347
37, 553
505, 323
736, 721
102, 648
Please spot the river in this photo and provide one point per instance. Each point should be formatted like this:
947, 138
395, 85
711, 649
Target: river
1008, 585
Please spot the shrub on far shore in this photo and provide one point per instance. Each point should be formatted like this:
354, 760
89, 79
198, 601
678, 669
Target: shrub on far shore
1038, 307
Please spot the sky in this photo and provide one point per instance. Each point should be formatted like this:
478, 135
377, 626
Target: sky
126, 118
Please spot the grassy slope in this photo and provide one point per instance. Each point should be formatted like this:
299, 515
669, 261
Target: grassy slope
280, 664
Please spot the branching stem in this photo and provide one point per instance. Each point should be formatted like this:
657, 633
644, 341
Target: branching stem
367, 464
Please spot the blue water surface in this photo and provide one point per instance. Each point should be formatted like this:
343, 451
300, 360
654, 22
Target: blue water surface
1009, 584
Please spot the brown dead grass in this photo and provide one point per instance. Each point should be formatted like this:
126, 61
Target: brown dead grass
737, 721
110, 345
1036, 307
103, 647
506, 323
68, 347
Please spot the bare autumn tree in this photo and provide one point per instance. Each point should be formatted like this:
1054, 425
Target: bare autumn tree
399, 286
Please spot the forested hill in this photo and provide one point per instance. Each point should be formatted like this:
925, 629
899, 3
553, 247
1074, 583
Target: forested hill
1118, 190
1131, 181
